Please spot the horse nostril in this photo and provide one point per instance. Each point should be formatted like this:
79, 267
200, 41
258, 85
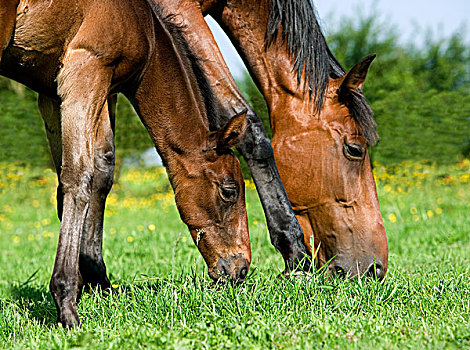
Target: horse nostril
339, 271
376, 270
242, 274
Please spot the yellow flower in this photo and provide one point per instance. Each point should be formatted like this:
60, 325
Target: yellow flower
413, 211
430, 213
387, 188
152, 227
438, 211
130, 239
45, 221
16, 239
184, 239
255, 222
115, 286
35, 204
392, 217
415, 217
112, 230
140, 227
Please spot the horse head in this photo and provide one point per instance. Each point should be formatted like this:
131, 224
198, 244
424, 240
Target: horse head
330, 182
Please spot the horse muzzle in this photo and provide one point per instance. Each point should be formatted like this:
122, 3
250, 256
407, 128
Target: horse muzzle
234, 268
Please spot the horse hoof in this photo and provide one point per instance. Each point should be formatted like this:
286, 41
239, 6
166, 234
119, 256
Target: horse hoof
69, 319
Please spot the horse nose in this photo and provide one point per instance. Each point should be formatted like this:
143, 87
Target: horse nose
241, 273
338, 270
234, 268
376, 270
344, 270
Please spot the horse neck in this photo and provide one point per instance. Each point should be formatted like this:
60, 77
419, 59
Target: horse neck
271, 68
170, 103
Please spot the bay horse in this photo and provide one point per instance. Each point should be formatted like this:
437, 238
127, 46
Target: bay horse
78, 58
321, 122
285, 231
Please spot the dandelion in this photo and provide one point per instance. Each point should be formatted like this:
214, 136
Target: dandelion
184, 239
392, 217
464, 178
140, 228
413, 211
255, 222
45, 222
438, 211
112, 230
387, 188
30, 237
37, 224
415, 218
130, 239
430, 213
16, 239
152, 227
35, 204
115, 286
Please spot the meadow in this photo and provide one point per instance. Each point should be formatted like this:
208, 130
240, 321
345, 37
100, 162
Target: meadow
163, 298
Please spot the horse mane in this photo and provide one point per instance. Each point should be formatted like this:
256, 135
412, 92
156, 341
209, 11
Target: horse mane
295, 21
192, 64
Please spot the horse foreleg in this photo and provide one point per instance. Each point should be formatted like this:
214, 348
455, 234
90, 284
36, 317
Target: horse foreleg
284, 230
91, 263
7, 22
83, 85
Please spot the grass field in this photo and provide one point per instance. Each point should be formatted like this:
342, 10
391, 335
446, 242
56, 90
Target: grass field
164, 299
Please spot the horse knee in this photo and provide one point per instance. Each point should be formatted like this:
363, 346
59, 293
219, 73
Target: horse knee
77, 182
256, 144
104, 171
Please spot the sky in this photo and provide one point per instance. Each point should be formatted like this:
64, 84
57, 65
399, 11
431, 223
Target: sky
410, 18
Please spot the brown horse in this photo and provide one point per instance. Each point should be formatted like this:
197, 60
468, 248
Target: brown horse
321, 122
286, 233
78, 58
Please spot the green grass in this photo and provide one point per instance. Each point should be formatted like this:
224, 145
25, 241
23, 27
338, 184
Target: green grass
163, 298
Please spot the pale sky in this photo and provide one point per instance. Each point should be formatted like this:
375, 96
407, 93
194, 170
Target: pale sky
410, 18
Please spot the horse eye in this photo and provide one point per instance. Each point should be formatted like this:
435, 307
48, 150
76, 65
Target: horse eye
228, 193
353, 151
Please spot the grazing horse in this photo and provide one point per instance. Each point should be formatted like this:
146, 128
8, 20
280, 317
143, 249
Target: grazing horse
321, 122
286, 233
78, 58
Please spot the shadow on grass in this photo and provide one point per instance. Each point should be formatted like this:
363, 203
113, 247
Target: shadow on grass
36, 302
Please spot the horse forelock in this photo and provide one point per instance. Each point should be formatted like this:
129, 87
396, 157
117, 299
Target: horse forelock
295, 22
363, 115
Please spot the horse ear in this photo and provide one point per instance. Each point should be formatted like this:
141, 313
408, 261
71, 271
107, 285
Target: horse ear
231, 133
357, 75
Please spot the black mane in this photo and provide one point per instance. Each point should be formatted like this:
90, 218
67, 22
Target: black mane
296, 23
